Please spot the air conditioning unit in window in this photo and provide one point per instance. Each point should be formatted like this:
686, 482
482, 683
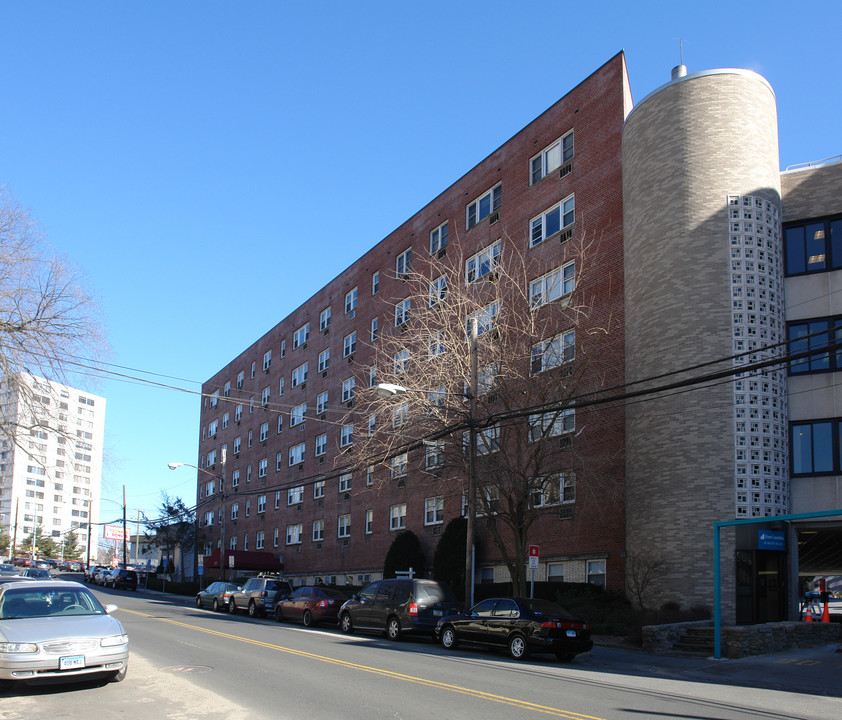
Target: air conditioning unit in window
441, 253
566, 235
566, 442
324, 374
566, 513
326, 331
347, 496
566, 169
321, 459
437, 530
401, 482
346, 544
318, 546
494, 217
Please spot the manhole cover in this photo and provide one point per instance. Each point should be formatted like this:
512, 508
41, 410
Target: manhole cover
187, 668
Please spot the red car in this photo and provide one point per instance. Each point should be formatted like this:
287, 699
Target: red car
310, 605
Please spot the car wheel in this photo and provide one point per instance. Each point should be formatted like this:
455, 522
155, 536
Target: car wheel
215, 605
198, 602
279, 614
393, 628
252, 609
345, 623
232, 607
563, 656
308, 618
120, 675
448, 638
517, 647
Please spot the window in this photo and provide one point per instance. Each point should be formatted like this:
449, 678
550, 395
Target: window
261, 504
369, 476
296, 454
248, 507
208, 518
344, 526
401, 362
372, 422
259, 540
238, 413
402, 312
555, 572
372, 376
348, 389
374, 324
438, 290
324, 319
369, 522
295, 495
345, 482
226, 389
551, 158
813, 335
225, 421
318, 530
551, 221
351, 301
264, 432
397, 516
233, 543
299, 375
400, 414
294, 534
551, 424
487, 378
280, 423
438, 239
484, 262
324, 360
277, 499
434, 510
262, 467
555, 489
596, 572
248, 473
250, 438
283, 348
814, 246
551, 353
267, 360
237, 443
485, 318
321, 402
318, 489
300, 336
399, 463
484, 205
434, 456
321, 444
349, 344
240, 378
403, 264
298, 414
812, 447
488, 440
275, 537
375, 283
552, 286
235, 511
346, 435
280, 387
253, 370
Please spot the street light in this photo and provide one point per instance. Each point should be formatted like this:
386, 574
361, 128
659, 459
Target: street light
125, 562
387, 390
221, 478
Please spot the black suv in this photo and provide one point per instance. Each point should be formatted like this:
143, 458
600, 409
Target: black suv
123, 579
259, 595
398, 606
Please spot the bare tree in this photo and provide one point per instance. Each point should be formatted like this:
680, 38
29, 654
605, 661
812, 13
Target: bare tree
48, 321
540, 347
643, 571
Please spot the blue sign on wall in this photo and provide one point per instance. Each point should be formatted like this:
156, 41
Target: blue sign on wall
771, 540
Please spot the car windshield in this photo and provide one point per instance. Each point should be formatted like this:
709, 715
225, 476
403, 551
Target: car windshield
437, 592
48, 602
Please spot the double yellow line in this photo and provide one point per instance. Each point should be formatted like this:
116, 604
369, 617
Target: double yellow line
512, 702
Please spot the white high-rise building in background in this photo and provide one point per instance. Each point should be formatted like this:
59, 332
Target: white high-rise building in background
50, 459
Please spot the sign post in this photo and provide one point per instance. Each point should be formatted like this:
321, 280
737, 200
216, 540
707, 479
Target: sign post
534, 554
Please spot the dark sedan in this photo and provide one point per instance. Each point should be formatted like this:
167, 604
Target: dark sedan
310, 605
520, 625
216, 595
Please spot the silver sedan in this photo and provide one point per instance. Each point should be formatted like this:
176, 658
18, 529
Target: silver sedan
55, 629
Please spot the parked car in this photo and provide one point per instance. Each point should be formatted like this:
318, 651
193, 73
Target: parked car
398, 606
102, 576
259, 595
7, 569
58, 629
122, 579
310, 605
37, 573
520, 625
91, 571
216, 595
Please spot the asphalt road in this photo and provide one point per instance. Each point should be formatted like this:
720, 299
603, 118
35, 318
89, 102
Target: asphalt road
189, 663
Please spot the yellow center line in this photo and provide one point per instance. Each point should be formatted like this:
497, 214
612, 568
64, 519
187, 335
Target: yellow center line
379, 671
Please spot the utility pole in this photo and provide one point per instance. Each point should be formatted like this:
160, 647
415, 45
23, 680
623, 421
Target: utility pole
124, 527
472, 469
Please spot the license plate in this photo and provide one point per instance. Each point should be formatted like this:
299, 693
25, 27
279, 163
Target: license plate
437, 613
72, 662
571, 633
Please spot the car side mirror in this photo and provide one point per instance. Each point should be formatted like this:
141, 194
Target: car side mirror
110, 608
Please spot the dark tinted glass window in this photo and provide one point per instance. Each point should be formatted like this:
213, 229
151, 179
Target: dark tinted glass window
384, 591
401, 593
506, 608
547, 608
485, 608
436, 592
368, 591
812, 447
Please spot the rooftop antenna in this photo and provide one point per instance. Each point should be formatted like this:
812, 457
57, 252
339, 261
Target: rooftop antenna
681, 70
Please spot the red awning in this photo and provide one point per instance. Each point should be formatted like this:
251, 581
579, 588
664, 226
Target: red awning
245, 560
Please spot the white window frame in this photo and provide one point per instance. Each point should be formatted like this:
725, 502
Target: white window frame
552, 221
293, 534
399, 465
375, 282
400, 414
401, 361
397, 516
351, 301
555, 285
301, 336
267, 360
318, 530
318, 489
261, 504
345, 480
262, 467
324, 360
552, 424
349, 344
484, 262
321, 444
369, 522
324, 319
264, 432
348, 386
434, 455
295, 495
235, 511
554, 352
434, 510
403, 264
551, 158
346, 435
299, 374
296, 454
298, 415
375, 322
438, 290
484, 206
438, 238
402, 308
485, 317
343, 526
321, 402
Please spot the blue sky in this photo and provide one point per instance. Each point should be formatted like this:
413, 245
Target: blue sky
210, 165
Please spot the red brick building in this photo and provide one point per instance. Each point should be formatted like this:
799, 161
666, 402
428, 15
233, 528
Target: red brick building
274, 477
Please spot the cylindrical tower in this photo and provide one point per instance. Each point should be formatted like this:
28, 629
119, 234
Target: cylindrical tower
704, 282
